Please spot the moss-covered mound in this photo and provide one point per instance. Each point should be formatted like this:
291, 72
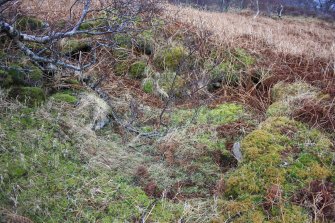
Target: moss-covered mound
280, 157
33, 96
170, 58
21, 74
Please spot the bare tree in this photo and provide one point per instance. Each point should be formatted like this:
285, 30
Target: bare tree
126, 12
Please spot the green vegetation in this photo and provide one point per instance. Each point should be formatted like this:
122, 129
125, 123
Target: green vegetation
45, 172
31, 95
170, 57
148, 85
288, 97
73, 157
222, 114
137, 69
64, 97
25, 74
278, 154
94, 24
73, 46
121, 68
29, 23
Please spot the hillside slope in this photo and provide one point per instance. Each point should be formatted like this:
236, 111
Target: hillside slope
197, 117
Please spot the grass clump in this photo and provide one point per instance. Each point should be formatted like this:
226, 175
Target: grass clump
137, 69
92, 24
281, 90
121, 68
27, 23
148, 85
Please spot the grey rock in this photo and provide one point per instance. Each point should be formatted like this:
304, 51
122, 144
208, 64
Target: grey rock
237, 151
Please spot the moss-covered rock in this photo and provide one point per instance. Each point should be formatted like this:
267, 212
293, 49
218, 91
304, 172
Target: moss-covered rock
27, 23
93, 24
170, 58
73, 46
137, 69
33, 96
277, 154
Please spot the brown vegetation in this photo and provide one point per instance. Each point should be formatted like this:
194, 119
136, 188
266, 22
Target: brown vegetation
319, 196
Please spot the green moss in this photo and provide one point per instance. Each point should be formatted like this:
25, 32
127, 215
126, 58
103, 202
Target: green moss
226, 71
243, 181
15, 76
94, 24
223, 114
29, 23
165, 212
137, 69
63, 97
278, 108
23, 74
129, 202
170, 58
145, 43
148, 85
72, 81
257, 143
33, 96
72, 46
277, 154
